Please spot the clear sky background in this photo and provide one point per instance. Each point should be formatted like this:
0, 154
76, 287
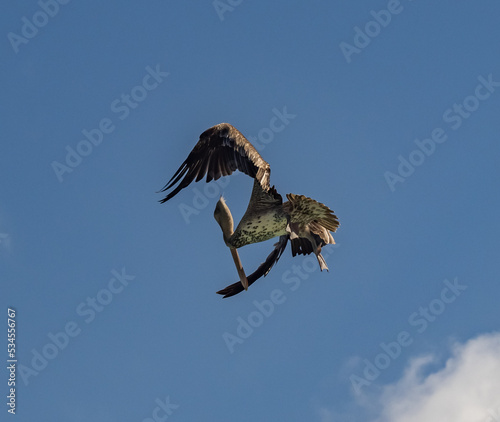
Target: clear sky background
416, 260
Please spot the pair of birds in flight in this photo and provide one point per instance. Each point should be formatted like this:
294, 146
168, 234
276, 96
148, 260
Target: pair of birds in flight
306, 223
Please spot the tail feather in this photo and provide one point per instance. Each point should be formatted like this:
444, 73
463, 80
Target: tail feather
310, 226
321, 262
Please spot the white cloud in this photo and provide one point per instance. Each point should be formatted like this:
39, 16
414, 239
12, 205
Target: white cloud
463, 391
466, 389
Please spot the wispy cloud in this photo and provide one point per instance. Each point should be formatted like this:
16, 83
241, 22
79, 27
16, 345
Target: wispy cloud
464, 390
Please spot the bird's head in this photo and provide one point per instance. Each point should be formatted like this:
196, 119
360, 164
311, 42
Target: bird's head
223, 216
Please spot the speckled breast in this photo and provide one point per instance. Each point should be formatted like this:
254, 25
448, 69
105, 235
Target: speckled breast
259, 227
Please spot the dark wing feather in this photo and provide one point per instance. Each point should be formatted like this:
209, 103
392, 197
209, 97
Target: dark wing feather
301, 246
263, 269
221, 150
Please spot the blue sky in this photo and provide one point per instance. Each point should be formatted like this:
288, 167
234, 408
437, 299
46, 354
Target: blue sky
387, 112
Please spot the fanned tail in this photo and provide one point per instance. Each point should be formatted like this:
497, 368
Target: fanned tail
310, 225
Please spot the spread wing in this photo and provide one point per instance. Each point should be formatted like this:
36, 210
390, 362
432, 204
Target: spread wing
221, 150
310, 225
263, 269
304, 211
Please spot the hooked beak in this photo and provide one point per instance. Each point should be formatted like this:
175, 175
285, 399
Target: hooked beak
239, 268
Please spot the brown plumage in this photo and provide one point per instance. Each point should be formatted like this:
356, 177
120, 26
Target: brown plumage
308, 224
221, 150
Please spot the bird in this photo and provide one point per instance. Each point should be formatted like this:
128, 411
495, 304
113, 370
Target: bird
306, 223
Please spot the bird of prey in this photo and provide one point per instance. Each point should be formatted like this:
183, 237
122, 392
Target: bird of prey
306, 223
